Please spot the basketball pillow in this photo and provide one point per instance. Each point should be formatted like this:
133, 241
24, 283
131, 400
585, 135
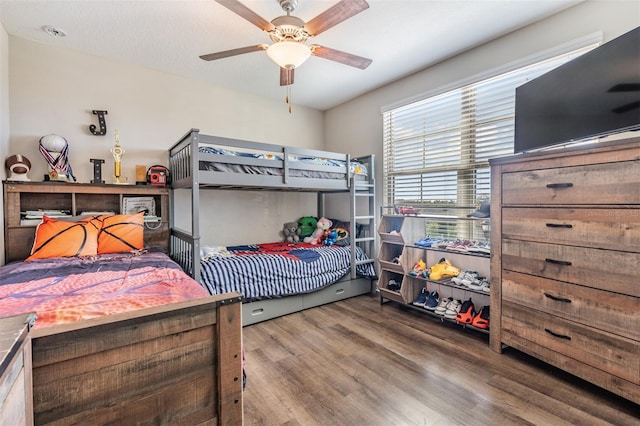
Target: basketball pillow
121, 233
64, 239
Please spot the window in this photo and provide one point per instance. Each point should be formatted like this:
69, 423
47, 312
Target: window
437, 150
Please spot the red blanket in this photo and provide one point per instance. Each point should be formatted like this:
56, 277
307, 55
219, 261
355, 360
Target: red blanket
63, 290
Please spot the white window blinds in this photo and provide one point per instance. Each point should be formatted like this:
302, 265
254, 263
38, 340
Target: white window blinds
437, 150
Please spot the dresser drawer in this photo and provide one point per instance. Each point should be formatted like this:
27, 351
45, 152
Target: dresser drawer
615, 271
613, 354
603, 228
611, 312
609, 183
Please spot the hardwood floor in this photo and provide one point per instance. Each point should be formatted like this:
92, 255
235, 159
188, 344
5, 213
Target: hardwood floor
355, 362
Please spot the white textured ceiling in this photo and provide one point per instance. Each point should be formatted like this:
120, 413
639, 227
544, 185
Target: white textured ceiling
401, 36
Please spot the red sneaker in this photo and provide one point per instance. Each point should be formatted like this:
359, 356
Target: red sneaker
481, 320
465, 316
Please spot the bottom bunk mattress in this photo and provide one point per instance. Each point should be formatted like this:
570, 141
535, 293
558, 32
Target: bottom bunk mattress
278, 269
62, 290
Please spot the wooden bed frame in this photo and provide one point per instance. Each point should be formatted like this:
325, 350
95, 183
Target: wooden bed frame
174, 364
179, 363
184, 163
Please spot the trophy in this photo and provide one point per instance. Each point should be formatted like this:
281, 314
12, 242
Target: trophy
117, 152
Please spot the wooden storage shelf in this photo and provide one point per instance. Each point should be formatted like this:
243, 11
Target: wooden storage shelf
447, 283
77, 198
411, 229
447, 320
447, 252
390, 229
383, 282
388, 253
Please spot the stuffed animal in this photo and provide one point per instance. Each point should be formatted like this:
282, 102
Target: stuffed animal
331, 237
291, 232
306, 225
318, 235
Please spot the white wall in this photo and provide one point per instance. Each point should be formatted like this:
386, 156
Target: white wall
4, 120
53, 90
358, 124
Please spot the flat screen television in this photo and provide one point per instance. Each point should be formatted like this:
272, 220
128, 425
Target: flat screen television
596, 94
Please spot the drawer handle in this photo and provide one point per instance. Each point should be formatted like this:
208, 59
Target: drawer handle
558, 262
559, 225
560, 185
556, 298
560, 336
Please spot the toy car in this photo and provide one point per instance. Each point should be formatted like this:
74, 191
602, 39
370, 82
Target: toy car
407, 210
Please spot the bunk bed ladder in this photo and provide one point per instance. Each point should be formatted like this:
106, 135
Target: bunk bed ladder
362, 210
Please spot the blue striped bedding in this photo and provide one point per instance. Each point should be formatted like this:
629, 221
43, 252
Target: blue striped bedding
278, 269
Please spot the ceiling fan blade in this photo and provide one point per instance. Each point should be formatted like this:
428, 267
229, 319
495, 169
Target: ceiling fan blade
248, 14
337, 13
339, 56
286, 76
233, 52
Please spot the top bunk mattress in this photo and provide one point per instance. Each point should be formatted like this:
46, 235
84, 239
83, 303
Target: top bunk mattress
299, 166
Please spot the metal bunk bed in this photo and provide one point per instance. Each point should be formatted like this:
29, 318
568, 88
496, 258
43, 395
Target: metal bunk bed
200, 161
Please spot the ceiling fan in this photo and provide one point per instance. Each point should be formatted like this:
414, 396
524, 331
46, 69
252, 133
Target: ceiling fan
289, 34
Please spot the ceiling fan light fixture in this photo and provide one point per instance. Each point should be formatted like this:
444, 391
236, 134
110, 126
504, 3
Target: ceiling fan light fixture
289, 53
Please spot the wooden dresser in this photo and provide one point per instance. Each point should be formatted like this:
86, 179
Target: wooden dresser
565, 260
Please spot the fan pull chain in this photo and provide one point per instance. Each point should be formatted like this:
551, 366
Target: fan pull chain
288, 97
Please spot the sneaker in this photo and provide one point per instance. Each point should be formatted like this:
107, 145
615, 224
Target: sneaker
460, 246
393, 285
453, 309
470, 279
477, 283
481, 320
418, 268
467, 312
432, 302
463, 274
442, 307
443, 269
422, 298
426, 242
442, 244
480, 248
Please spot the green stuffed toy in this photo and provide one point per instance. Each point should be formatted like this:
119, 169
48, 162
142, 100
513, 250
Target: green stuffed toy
306, 225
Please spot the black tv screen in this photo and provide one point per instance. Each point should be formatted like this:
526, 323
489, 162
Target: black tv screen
596, 94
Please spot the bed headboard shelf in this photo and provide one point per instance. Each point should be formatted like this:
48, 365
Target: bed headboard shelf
75, 198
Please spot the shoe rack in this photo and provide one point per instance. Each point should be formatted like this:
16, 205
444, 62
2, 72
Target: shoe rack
398, 254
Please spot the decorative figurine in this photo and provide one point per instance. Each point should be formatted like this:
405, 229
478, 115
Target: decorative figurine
103, 124
18, 166
55, 150
97, 170
117, 152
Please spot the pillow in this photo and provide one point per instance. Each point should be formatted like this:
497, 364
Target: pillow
55, 238
344, 231
120, 232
